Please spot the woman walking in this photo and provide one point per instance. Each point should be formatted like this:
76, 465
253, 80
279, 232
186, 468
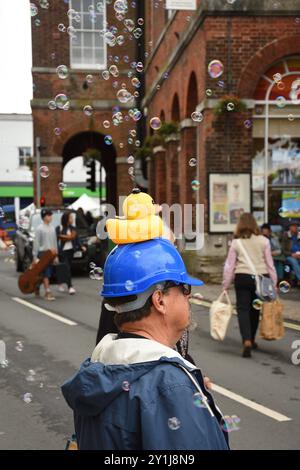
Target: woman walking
67, 242
247, 238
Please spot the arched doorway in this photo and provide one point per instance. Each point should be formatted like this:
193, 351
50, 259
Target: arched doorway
92, 145
276, 136
175, 111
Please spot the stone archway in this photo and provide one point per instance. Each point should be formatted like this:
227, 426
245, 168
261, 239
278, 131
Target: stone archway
85, 141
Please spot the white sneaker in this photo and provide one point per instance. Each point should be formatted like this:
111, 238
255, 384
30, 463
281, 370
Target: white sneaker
61, 288
72, 291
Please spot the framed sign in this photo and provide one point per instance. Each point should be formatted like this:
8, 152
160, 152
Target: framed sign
229, 197
181, 4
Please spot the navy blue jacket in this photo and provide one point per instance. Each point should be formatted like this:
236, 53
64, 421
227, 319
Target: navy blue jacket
108, 416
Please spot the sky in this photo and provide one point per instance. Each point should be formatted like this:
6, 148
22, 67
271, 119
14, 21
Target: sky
15, 57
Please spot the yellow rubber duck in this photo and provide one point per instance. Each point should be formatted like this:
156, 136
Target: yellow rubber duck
140, 222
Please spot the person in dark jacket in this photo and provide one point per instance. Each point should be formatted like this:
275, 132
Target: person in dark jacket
136, 392
291, 248
68, 242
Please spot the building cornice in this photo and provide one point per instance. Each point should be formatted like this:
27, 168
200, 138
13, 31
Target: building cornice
79, 103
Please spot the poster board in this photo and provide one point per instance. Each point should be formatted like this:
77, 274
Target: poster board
229, 196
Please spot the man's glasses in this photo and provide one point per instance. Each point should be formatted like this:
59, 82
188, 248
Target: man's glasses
186, 288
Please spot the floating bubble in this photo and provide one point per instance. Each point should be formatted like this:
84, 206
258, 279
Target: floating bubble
124, 96
61, 27
110, 39
33, 9
195, 184
37, 22
215, 68
174, 423
135, 82
281, 86
108, 140
120, 40
248, 123
209, 92
51, 105
140, 21
105, 75
27, 397
199, 400
130, 160
280, 101
91, 275
287, 268
129, 285
121, 6
230, 106
89, 78
106, 124
62, 71
138, 32
44, 4
197, 116
126, 386
283, 212
230, 423
88, 110
155, 123
92, 265
193, 162
98, 274
57, 131
129, 25
44, 171
19, 346
284, 287
257, 304
62, 186
291, 117
61, 100
139, 67
277, 77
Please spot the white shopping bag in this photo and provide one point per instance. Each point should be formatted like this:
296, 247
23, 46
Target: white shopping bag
219, 315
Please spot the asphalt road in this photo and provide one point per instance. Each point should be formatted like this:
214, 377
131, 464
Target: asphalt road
53, 350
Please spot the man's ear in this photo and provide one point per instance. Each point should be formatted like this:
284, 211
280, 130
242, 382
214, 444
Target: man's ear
159, 301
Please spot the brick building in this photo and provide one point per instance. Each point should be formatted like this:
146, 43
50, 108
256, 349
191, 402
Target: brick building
250, 111
74, 40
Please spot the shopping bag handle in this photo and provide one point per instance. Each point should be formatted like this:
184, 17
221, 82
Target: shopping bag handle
224, 294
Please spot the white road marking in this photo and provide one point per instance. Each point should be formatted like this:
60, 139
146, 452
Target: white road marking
250, 404
55, 316
205, 303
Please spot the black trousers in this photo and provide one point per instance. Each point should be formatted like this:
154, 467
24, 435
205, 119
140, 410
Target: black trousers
248, 316
66, 257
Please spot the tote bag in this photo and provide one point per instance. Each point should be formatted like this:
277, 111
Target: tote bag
271, 325
219, 314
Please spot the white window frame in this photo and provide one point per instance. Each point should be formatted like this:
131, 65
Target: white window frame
23, 159
97, 65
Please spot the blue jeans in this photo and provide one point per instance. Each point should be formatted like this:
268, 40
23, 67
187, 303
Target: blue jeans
295, 263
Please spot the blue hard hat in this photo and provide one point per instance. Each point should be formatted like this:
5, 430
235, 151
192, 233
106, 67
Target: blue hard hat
133, 268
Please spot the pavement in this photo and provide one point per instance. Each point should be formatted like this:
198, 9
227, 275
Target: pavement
263, 392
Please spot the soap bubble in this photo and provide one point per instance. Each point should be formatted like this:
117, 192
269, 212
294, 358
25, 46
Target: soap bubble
105, 75
98, 274
280, 101
155, 123
62, 71
284, 287
61, 100
197, 116
88, 110
19, 346
193, 162
108, 140
51, 105
44, 171
230, 106
129, 285
291, 117
121, 6
123, 95
37, 22
174, 423
57, 131
257, 304
62, 186
126, 386
215, 68
114, 71
199, 400
129, 25
92, 265
195, 184
209, 92
283, 212
248, 123
130, 160
61, 27
106, 124
31, 375
33, 9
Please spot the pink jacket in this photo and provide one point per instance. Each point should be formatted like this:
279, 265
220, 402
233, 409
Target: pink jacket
230, 264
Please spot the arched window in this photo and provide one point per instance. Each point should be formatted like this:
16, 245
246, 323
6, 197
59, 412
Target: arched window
192, 95
175, 113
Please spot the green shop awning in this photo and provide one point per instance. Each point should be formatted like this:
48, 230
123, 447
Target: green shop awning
27, 191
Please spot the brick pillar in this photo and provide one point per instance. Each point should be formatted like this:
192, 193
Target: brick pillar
49, 186
160, 174
188, 150
172, 186
151, 175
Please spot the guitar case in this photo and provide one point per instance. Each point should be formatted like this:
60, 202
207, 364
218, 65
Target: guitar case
29, 280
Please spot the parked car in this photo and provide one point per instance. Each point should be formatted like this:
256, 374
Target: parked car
26, 232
